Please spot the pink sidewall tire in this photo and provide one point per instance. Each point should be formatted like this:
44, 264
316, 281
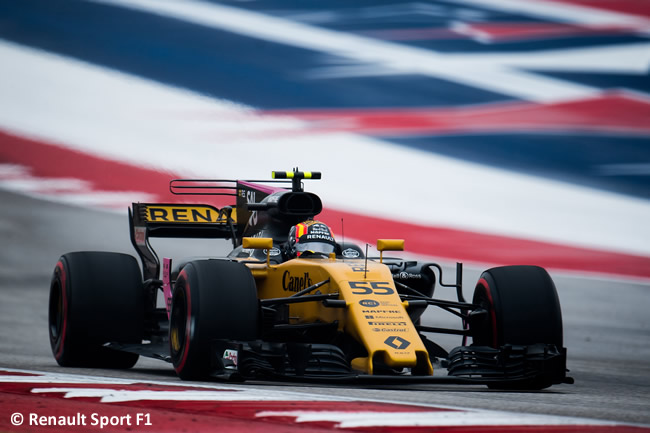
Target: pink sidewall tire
95, 298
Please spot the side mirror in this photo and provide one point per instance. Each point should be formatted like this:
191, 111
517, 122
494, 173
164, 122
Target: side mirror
389, 245
259, 244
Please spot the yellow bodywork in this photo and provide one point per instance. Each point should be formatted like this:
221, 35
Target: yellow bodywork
374, 314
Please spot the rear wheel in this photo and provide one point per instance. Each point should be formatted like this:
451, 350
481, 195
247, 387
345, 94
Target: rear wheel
95, 298
522, 309
213, 299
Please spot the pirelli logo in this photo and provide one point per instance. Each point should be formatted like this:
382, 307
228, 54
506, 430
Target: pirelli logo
183, 214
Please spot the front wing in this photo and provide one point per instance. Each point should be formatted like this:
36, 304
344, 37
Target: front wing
327, 363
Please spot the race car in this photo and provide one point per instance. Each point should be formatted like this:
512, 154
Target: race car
290, 302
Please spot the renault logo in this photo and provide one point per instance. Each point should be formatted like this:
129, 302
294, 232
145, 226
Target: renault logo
397, 343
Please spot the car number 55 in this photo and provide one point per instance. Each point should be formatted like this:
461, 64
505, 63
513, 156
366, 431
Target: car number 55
370, 287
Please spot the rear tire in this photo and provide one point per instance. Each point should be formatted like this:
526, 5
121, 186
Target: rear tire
213, 299
522, 309
95, 298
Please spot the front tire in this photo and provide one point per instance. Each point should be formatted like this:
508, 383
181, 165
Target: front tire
213, 299
522, 309
95, 298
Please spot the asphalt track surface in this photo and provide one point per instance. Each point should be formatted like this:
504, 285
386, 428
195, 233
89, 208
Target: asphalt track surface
606, 325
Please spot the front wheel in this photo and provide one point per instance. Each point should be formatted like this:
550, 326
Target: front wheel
522, 308
213, 299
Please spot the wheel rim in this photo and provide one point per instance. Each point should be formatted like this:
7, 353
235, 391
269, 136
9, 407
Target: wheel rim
178, 323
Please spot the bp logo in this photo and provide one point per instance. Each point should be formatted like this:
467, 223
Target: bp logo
371, 303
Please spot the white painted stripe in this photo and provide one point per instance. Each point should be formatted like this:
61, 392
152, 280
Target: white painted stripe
72, 191
118, 396
427, 419
43, 184
190, 134
12, 171
367, 51
252, 393
108, 200
120, 199
50, 378
629, 59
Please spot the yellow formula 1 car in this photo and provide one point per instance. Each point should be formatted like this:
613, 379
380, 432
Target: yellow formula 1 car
290, 302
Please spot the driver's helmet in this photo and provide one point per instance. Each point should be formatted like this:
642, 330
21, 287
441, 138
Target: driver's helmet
311, 236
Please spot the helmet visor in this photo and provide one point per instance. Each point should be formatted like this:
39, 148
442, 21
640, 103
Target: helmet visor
316, 247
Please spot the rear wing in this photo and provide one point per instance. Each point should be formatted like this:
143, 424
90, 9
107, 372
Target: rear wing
233, 221
166, 220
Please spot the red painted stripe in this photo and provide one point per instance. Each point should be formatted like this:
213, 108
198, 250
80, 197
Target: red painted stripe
640, 8
473, 247
527, 30
612, 112
499, 31
16, 373
50, 160
440, 242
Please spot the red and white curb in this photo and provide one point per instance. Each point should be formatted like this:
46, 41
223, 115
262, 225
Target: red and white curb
40, 401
